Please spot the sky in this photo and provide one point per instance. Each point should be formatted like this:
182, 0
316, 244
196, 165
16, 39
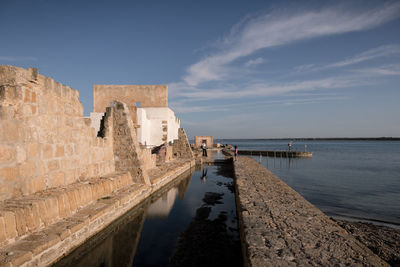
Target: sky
234, 69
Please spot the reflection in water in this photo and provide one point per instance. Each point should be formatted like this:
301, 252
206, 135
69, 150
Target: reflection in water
204, 176
164, 226
114, 246
162, 206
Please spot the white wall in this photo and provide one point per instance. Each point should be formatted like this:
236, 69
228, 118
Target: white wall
151, 126
95, 118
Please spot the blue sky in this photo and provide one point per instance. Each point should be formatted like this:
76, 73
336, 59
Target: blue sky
235, 69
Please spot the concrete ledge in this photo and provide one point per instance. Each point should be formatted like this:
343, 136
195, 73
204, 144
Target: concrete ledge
49, 244
278, 227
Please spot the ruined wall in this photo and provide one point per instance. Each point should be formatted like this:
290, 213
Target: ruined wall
146, 95
181, 147
198, 141
44, 137
127, 152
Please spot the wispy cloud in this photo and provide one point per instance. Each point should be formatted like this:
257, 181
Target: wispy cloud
282, 28
17, 58
245, 105
254, 62
381, 51
393, 69
263, 89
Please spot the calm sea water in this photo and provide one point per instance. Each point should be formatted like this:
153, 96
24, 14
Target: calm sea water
345, 179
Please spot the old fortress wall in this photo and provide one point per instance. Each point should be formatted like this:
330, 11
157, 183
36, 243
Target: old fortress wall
53, 163
45, 140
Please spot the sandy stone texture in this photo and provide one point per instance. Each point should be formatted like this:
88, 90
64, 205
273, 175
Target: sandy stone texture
281, 228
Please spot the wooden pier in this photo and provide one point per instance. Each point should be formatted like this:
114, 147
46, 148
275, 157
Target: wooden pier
277, 154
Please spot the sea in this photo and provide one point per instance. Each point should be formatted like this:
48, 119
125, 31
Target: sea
346, 179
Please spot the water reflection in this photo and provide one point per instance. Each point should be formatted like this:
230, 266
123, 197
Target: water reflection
162, 206
114, 246
200, 210
204, 175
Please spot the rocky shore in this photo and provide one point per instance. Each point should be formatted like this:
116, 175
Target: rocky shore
383, 241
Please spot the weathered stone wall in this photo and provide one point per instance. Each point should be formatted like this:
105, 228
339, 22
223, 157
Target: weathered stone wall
44, 137
181, 147
127, 152
146, 95
198, 141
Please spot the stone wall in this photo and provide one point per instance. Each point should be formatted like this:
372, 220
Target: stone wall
198, 141
44, 137
146, 95
181, 147
127, 152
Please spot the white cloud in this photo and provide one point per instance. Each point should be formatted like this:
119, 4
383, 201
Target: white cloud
381, 51
254, 62
263, 89
282, 28
382, 70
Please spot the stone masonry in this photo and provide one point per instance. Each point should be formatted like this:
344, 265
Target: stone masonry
127, 153
61, 182
181, 147
278, 227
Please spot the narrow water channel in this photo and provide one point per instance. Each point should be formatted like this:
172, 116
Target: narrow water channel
191, 222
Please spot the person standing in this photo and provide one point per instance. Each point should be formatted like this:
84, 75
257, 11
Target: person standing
204, 147
236, 152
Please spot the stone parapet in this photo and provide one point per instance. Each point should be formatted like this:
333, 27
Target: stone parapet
278, 227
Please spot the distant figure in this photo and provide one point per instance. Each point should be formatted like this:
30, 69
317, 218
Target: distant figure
236, 152
290, 146
204, 147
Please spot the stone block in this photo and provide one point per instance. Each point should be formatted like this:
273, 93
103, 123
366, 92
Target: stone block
59, 151
9, 173
57, 179
7, 112
27, 97
29, 219
33, 150
53, 165
10, 227
6, 153
38, 184
20, 222
47, 151
33, 97
3, 235
20, 154
44, 215
52, 208
27, 170
72, 201
11, 131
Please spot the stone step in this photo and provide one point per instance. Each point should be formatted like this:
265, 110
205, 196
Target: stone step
38, 249
29, 214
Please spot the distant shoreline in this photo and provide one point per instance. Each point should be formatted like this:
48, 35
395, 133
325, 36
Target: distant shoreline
322, 139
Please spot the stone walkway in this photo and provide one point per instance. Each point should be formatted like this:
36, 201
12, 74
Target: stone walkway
280, 228
47, 244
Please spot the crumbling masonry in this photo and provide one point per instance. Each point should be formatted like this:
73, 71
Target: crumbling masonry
57, 172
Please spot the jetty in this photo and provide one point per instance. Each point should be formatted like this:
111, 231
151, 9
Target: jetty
276, 153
